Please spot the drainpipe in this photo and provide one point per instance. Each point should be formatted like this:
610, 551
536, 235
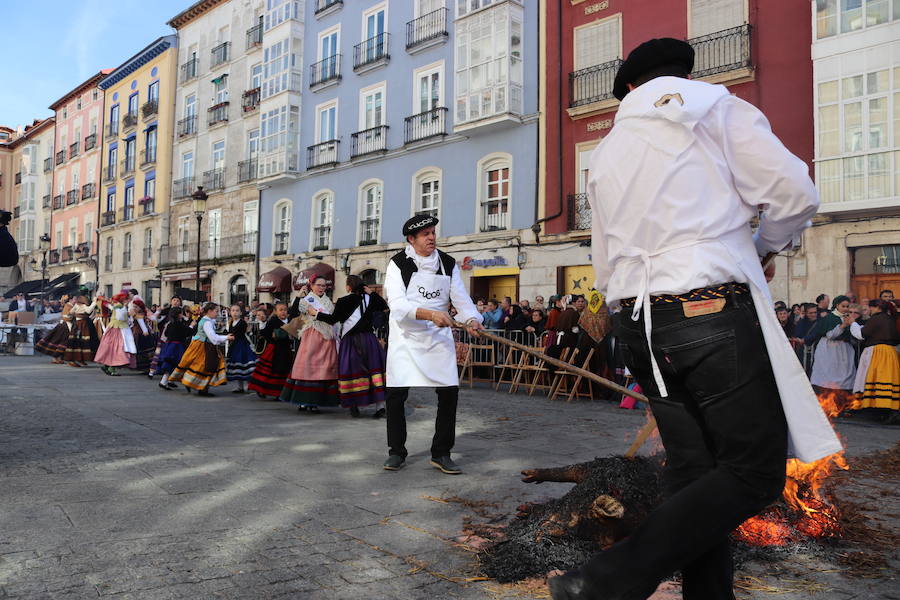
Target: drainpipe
258, 242
536, 227
100, 193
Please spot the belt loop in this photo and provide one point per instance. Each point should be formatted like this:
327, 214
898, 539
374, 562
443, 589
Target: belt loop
732, 294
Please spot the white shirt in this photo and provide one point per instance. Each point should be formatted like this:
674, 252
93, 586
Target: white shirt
669, 176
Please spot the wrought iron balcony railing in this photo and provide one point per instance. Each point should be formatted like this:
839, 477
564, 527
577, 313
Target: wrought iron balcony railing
219, 54
16, 211
494, 215
183, 188
109, 174
321, 237
429, 124
427, 28
218, 113
108, 218
327, 69
112, 130
214, 179
368, 232
67, 254
322, 154
130, 120
579, 212
83, 251
722, 51
48, 164
189, 70
47, 201
593, 84
247, 170
58, 202
90, 142
254, 36
148, 156
150, 108
126, 213
148, 206
323, 5
53, 256
127, 165
87, 191
369, 141
282, 242
187, 126
74, 149
60, 157
71, 197
372, 50
17, 179
250, 100
221, 249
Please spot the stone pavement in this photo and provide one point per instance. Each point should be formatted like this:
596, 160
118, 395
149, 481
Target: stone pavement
114, 488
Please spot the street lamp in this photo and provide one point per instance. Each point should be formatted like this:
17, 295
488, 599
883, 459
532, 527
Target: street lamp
199, 204
44, 245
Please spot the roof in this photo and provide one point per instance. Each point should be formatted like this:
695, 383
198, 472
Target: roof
88, 83
195, 10
35, 128
156, 47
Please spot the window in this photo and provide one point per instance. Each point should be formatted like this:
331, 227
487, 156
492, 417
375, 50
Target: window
214, 232
256, 72
150, 145
372, 109
323, 217
110, 201
109, 258
424, 7
150, 188
598, 43
374, 27
326, 123
218, 154
494, 191
250, 226
126, 251
279, 11
428, 88
329, 43
187, 164
73, 232
133, 104
844, 16
88, 230
427, 192
129, 203
278, 63
148, 246
220, 89
153, 92
464, 7
113, 120
282, 227
711, 16
370, 199
190, 106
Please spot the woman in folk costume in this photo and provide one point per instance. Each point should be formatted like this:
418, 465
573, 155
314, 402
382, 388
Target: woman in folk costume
54, 343
203, 365
274, 364
834, 364
82, 341
103, 315
177, 334
313, 380
240, 360
361, 359
145, 338
117, 347
161, 318
877, 382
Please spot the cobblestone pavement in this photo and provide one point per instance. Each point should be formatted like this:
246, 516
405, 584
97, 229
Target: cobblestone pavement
114, 488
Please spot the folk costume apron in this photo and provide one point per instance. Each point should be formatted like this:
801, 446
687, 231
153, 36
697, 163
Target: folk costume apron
421, 354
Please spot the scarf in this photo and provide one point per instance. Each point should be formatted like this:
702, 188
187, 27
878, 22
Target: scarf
322, 327
425, 264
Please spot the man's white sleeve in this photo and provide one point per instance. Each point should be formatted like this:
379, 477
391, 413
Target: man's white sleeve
395, 293
599, 254
766, 175
461, 300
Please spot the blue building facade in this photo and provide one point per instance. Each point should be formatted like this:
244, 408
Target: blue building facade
409, 106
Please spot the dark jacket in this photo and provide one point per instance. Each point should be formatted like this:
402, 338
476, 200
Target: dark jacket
346, 306
880, 329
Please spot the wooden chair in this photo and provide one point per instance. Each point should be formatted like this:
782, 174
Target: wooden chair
560, 383
528, 366
477, 355
576, 386
509, 366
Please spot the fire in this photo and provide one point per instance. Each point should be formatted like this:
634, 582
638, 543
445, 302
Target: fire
813, 515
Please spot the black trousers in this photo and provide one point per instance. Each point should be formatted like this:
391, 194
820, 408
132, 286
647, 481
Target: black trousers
725, 437
444, 426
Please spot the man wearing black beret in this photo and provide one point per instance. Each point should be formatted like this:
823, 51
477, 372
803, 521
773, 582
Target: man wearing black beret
673, 188
420, 283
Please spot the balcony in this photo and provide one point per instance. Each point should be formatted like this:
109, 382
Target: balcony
322, 155
219, 55
48, 164
83, 251
189, 70
17, 180
579, 212
282, 242
127, 166
250, 100
67, 254
16, 211
108, 218
126, 213
72, 197
321, 238
247, 170
217, 114
129, 121
494, 215
47, 201
109, 174
427, 31
229, 248
426, 125
58, 202
87, 191
592, 85
254, 36
183, 188
148, 206
187, 126
149, 109
112, 130
148, 157
53, 257
369, 141
368, 232
147, 256
371, 53
126, 258
60, 157
74, 149
325, 72
90, 142
214, 179
324, 7
722, 52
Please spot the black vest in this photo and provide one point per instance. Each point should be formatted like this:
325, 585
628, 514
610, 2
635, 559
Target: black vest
408, 266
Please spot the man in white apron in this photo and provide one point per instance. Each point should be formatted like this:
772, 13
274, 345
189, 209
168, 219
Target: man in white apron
420, 283
673, 188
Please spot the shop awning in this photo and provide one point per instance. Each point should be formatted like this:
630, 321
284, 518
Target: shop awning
317, 270
276, 281
186, 275
64, 284
26, 287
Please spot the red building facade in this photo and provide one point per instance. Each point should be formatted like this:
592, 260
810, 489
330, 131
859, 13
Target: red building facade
760, 49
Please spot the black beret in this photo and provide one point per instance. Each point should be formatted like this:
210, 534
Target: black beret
418, 223
650, 55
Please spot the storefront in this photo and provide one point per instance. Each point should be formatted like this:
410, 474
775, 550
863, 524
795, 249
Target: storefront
875, 268
317, 270
491, 278
275, 285
184, 284
575, 280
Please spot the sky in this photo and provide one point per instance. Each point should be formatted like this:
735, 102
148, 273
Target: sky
50, 47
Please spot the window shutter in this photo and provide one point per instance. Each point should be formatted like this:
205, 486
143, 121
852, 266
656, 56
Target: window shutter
597, 44
710, 16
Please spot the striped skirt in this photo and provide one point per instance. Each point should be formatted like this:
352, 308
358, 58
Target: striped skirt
878, 379
313, 380
361, 364
266, 380
241, 360
54, 343
82, 342
201, 366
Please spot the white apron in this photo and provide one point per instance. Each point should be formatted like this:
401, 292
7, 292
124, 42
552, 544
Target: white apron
810, 434
421, 354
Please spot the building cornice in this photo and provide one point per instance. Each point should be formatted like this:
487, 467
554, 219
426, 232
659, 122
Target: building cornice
137, 61
196, 10
90, 83
32, 131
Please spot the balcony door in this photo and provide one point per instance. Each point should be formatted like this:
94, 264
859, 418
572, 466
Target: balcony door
328, 48
712, 16
430, 92
372, 109
214, 233
251, 216
374, 35
327, 124
424, 7
133, 104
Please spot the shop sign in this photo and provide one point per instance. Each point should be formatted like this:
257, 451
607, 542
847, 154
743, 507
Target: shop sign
596, 7
470, 263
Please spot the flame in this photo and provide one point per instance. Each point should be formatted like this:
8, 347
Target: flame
814, 516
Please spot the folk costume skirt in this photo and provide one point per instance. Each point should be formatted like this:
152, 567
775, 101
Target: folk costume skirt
241, 360
154, 364
313, 380
111, 352
361, 364
169, 356
146, 349
201, 366
267, 378
82, 342
878, 379
54, 343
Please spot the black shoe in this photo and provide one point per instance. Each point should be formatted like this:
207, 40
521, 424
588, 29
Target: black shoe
446, 465
172, 386
571, 586
205, 393
379, 414
164, 386
354, 412
394, 462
